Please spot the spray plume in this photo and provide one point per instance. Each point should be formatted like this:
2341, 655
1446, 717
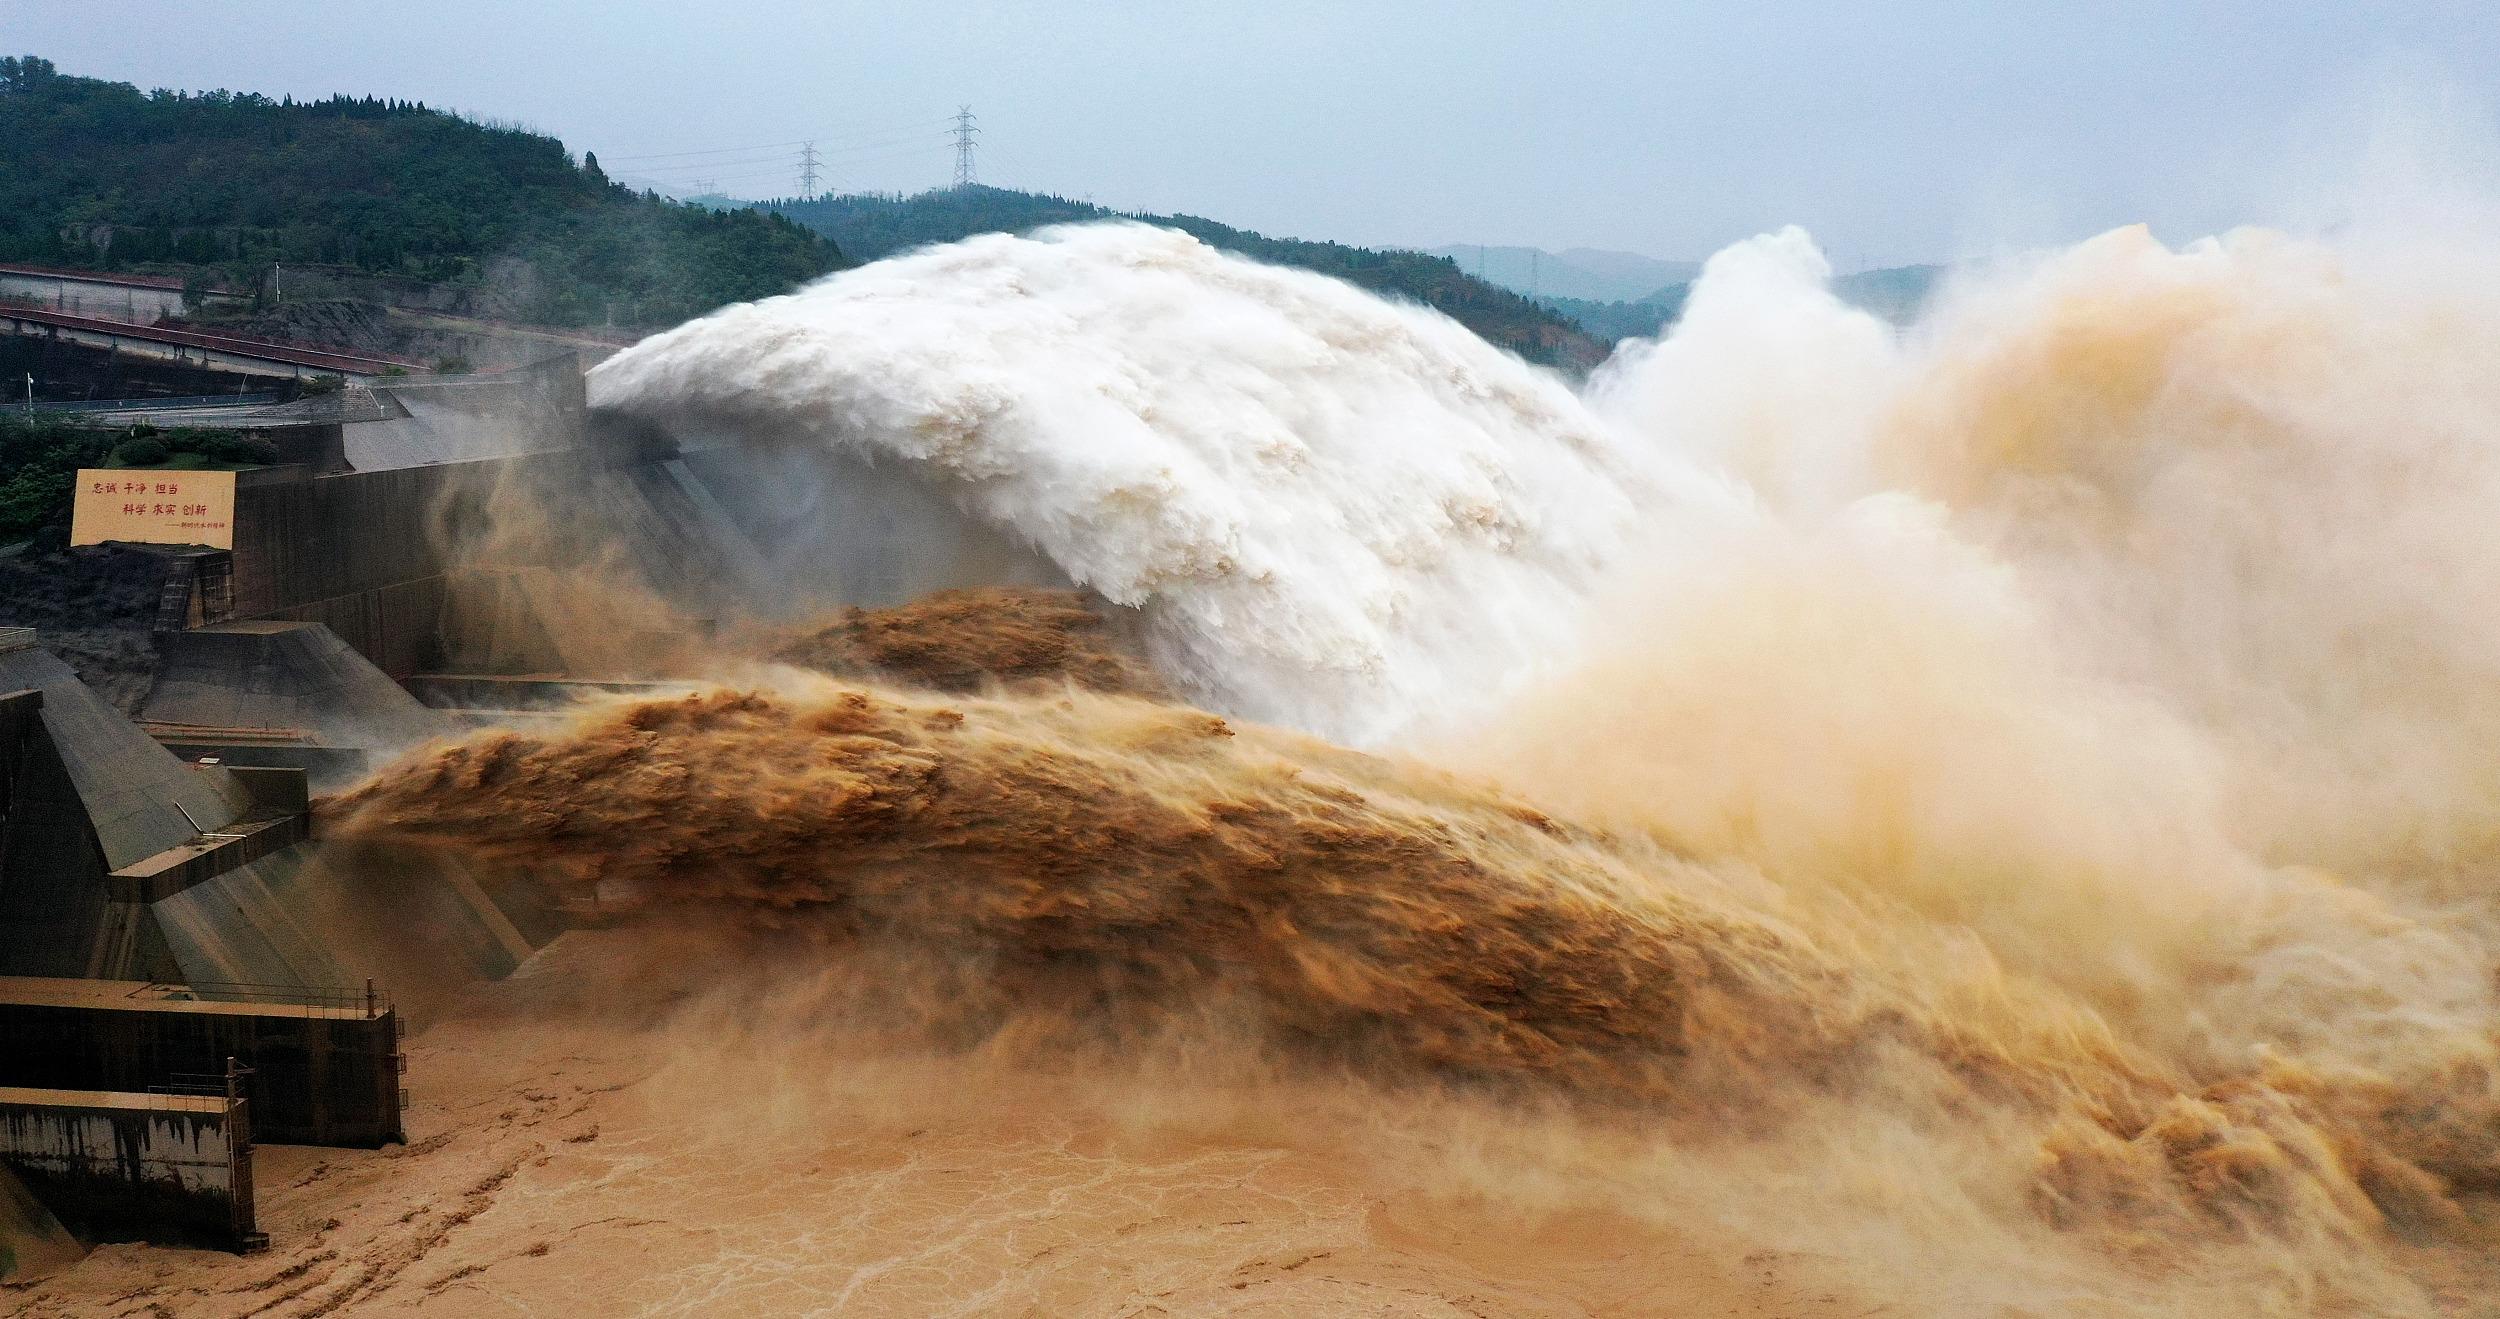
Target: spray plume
2057, 739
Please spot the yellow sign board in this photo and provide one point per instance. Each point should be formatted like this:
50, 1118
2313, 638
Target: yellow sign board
151, 507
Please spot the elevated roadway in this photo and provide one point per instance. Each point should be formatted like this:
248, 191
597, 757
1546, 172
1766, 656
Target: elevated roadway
192, 348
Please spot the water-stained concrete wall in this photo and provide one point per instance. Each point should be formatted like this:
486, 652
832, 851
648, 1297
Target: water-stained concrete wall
320, 1076
134, 1165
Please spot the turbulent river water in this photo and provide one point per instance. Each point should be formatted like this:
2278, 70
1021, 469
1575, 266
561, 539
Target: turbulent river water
1997, 815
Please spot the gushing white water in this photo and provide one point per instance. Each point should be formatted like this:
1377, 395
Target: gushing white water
1337, 512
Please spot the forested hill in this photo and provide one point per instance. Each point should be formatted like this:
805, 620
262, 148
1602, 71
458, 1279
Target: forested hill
98, 174
869, 226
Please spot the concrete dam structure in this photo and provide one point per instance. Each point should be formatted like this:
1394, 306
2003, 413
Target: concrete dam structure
88, 798
143, 1164
163, 921
494, 524
320, 1070
281, 693
426, 557
119, 861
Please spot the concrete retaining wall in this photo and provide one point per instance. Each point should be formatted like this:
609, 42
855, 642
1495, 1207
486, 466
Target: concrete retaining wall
281, 693
142, 304
321, 1076
86, 793
134, 1165
359, 553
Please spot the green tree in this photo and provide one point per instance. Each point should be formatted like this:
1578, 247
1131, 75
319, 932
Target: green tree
99, 174
874, 225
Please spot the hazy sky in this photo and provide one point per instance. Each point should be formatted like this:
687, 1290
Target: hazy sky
1898, 131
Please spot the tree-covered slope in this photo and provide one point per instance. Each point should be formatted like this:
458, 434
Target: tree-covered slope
101, 175
869, 226
1612, 322
1581, 274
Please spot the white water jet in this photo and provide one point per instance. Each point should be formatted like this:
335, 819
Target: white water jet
1336, 512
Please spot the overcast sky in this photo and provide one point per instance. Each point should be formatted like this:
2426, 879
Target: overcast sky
1902, 131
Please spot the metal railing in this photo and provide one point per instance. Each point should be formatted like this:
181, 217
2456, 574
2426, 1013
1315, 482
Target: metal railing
191, 1083
370, 1000
225, 1086
148, 404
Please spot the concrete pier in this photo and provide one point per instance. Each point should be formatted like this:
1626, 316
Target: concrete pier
135, 1165
325, 1070
281, 693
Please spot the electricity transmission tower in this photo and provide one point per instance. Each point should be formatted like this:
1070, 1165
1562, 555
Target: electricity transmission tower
807, 170
962, 133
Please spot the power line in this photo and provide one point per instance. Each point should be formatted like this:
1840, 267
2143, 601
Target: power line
707, 183
1007, 169
782, 176
750, 177
707, 168
916, 139
705, 171
962, 134
709, 151
781, 162
915, 128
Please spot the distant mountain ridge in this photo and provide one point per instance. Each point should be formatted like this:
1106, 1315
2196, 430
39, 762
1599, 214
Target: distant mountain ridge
1580, 273
868, 226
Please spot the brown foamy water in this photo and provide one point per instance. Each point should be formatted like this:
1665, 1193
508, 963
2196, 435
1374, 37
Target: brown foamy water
1132, 891
2023, 845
